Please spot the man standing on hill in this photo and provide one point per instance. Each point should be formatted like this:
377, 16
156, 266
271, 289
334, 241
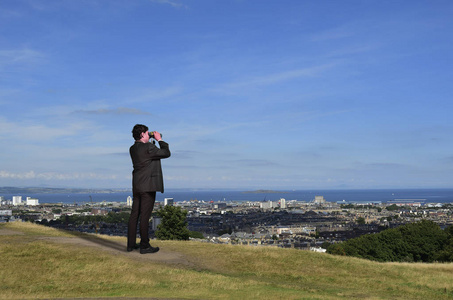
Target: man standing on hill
147, 179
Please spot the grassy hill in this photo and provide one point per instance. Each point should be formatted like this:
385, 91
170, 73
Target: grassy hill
41, 262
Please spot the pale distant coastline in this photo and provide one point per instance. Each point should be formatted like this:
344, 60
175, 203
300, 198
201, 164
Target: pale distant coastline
45, 190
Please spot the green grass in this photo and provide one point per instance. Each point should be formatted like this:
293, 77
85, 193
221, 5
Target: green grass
35, 264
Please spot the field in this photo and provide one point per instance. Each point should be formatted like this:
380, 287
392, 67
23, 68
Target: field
41, 262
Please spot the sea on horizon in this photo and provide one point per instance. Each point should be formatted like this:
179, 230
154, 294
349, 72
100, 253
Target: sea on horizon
349, 196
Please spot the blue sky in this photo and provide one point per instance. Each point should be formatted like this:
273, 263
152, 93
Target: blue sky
249, 94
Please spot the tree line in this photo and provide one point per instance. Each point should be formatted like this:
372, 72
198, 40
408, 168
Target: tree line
423, 241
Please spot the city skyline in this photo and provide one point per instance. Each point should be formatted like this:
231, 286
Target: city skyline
249, 94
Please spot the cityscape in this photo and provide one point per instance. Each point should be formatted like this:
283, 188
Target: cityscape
306, 225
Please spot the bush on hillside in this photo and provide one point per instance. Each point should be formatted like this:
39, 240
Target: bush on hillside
423, 241
196, 235
173, 225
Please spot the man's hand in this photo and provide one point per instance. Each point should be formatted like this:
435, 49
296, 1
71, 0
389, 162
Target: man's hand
157, 136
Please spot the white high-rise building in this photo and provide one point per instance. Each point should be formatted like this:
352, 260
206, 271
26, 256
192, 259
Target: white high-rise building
168, 201
155, 221
268, 204
17, 200
32, 201
282, 203
129, 201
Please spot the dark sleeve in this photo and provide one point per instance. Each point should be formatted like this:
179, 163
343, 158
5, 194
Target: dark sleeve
159, 153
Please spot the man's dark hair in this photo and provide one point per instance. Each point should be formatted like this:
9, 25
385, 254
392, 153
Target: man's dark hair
138, 130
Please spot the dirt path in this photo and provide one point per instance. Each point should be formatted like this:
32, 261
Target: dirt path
111, 246
4, 231
119, 248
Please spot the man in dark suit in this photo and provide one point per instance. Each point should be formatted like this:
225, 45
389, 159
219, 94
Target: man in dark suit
147, 179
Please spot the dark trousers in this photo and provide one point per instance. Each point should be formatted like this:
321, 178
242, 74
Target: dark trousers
142, 207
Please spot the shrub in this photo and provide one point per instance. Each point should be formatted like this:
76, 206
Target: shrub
423, 241
173, 225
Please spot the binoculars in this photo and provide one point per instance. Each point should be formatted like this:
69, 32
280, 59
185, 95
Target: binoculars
151, 134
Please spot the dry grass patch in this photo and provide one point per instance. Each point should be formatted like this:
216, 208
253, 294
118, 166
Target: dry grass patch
45, 269
32, 267
31, 229
322, 274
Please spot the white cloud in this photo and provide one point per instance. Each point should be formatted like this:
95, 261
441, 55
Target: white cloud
8, 130
19, 56
174, 4
54, 176
155, 94
278, 77
114, 111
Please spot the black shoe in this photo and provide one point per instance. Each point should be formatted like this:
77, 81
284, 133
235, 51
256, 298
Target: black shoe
129, 249
149, 250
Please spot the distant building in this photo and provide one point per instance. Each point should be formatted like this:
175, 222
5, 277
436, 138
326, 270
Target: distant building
220, 205
318, 249
99, 211
268, 205
407, 202
168, 201
155, 222
282, 203
342, 202
319, 200
129, 201
17, 200
32, 201
3, 201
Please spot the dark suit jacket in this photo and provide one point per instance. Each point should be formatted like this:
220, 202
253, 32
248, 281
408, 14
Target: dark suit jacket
147, 173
